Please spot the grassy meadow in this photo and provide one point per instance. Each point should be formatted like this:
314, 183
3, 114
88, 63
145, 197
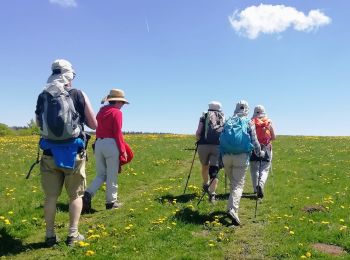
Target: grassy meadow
304, 213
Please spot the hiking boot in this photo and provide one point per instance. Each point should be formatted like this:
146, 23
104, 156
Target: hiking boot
86, 202
259, 192
71, 240
113, 205
234, 217
212, 198
51, 241
206, 188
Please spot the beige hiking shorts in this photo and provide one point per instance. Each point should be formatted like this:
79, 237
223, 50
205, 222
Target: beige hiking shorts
209, 154
53, 177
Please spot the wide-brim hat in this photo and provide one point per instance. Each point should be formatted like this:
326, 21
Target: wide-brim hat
116, 95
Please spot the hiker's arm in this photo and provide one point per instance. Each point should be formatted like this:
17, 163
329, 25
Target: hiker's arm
254, 138
38, 110
272, 131
118, 134
90, 119
199, 130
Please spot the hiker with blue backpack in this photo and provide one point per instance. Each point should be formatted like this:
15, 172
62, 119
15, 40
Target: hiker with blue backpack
208, 133
237, 141
259, 167
61, 113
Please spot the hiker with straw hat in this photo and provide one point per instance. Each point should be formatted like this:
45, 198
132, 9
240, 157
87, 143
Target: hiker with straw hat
109, 147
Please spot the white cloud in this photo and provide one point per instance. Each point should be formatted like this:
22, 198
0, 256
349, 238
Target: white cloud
64, 3
269, 19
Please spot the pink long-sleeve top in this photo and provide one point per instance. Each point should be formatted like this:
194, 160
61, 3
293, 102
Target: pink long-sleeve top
109, 125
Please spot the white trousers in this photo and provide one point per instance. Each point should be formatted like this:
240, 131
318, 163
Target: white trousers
107, 165
235, 167
264, 172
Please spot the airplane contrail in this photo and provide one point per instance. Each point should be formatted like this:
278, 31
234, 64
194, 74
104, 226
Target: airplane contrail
147, 24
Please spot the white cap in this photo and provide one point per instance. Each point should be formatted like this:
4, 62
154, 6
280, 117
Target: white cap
62, 70
242, 108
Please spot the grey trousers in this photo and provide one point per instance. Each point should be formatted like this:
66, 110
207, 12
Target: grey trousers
107, 165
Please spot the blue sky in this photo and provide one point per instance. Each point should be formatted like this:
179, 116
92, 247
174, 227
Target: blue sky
173, 57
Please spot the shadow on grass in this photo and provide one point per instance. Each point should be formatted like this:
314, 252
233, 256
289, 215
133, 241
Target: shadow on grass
251, 196
190, 216
12, 246
184, 198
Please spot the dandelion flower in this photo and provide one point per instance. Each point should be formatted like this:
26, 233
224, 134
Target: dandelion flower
291, 232
308, 254
83, 244
89, 253
343, 228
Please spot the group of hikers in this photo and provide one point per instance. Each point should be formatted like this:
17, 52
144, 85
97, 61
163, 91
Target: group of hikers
234, 144
61, 113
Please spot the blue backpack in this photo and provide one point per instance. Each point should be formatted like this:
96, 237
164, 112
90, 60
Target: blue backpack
234, 138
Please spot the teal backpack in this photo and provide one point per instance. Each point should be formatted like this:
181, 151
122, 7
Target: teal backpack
234, 138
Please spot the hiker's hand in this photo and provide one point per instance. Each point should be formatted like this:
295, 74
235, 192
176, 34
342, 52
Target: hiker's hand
125, 156
262, 154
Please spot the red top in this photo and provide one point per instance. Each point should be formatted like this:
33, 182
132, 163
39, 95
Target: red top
109, 125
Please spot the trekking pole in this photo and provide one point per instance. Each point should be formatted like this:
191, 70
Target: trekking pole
35, 163
256, 202
189, 175
203, 194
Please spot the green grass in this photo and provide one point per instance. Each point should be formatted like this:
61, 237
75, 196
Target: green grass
157, 221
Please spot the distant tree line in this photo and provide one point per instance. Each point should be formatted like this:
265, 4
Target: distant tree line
32, 129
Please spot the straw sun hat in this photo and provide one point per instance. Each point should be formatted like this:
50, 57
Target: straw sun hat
115, 95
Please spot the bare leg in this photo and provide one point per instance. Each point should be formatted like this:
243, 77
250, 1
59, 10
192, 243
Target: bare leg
75, 207
50, 213
205, 173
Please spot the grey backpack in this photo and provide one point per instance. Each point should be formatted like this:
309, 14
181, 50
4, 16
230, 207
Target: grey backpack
214, 122
59, 119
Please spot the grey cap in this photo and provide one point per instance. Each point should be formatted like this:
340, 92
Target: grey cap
214, 105
259, 111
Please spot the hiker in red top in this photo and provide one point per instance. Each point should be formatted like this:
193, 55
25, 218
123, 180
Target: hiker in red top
109, 147
259, 167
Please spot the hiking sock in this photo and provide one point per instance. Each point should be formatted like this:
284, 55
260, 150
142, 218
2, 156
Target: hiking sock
50, 232
73, 232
